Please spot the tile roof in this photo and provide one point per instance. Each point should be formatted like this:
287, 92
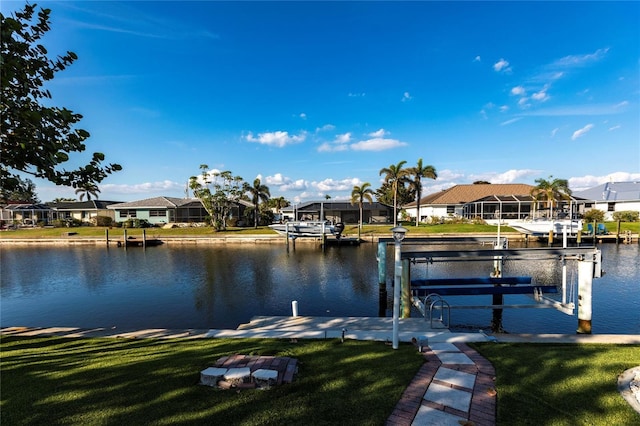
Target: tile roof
81, 205
462, 194
612, 191
155, 202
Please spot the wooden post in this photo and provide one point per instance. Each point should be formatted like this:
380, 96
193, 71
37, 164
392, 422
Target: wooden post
550, 242
406, 289
585, 281
382, 279
106, 236
144, 238
618, 232
124, 242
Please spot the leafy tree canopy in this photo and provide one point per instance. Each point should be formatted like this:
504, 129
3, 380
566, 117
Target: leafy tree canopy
384, 194
219, 192
24, 192
37, 139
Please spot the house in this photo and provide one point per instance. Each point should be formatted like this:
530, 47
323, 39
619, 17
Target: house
486, 201
83, 211
339, 211
612, 197
162, 210
25, 214
491, 202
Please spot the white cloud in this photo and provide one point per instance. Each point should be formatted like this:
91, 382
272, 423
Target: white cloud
524, 103
378, 133
502, 66
511, 176
406, 97
541, 95
513, 120
585, 182
303, 116
143, 188
581, 60
325, 128
377, 144
504, 108
581, 132
554, 131
518, 91
477, 59
328, 185
614, 127
447, 175
343, 138
278, 139
356, 95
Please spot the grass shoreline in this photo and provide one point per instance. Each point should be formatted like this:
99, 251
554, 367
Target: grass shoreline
368, 232
61, 380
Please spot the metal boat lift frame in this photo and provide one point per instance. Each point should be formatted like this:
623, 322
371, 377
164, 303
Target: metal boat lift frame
589, 260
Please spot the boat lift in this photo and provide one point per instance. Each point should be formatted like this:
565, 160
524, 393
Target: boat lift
427, 294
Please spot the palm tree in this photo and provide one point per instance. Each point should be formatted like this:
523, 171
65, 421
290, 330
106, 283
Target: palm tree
396, 176
279, 203
550, 191
88, 190
258, 192
359, 195
419, 172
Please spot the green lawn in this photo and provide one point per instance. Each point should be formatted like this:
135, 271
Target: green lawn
563, 384
56, 381
350, 230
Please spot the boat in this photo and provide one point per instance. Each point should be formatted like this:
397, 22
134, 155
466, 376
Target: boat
312, 228
542, 227
141, 242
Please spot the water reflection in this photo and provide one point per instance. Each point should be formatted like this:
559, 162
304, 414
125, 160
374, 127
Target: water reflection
223, 286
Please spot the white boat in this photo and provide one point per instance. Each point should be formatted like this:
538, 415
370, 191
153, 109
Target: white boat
542, 227
313, 228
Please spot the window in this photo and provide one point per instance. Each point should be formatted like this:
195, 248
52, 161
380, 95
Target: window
128, 213
451, 209
157, 213
611, 207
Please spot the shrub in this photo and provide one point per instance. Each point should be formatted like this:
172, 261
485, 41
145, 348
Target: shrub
626, 216
594, 215
103, 221
477, 220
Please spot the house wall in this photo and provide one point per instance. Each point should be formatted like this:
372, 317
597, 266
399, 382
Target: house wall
619, 206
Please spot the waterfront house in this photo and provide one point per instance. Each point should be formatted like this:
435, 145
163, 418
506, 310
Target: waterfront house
491, 202
83, 211
163, 210
485, 201
25, 214
612, 197
339, 211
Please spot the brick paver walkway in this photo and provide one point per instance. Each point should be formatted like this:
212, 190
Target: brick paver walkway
455, 384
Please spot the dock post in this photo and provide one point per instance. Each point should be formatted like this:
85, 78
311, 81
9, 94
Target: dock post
382, 279
550, 242
382, 264
585, 281
124, 243
144, 238
286, 235
106, 236
406, 289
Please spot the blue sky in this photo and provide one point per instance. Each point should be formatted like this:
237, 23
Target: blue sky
315, 98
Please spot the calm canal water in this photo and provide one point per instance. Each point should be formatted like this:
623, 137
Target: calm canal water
224, 286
